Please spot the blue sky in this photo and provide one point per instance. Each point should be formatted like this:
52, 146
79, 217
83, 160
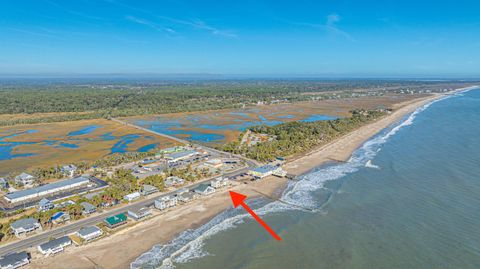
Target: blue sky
279, 38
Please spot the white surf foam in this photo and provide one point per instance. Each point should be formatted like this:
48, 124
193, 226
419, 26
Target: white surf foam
189, 245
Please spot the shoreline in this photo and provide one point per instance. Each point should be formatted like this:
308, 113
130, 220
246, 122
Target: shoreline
122, 248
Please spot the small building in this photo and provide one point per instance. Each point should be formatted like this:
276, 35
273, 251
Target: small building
214, 163
88, 208
182, 155
3, 183
264, 171
204, 189
69, 170
173, 181
55, 246
60, 217
166, 202
138, 214
219, 182
115, 221
45, 205
186, 197
132, 196
148, 189
65, 204
24, 179
25, 226
89, 233
14, 260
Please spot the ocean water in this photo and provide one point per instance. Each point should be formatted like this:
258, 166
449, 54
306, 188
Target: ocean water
408, 198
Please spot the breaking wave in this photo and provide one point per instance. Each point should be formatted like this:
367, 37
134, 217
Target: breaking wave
298, 194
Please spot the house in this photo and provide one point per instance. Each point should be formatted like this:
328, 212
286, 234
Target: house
55, 245
214, 163
25, 226
45, 205
186, 196
88, 208
204, 189
138, 214
173, 181
89, 233
60, 217
166, 202
132, 196
264, 171
14, 260
3, 183
24, 179
65, 204
219, 182
69, 170
148, 189
115, 221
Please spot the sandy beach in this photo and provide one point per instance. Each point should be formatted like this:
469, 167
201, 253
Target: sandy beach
120, 249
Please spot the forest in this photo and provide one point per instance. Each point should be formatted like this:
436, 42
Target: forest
299, 137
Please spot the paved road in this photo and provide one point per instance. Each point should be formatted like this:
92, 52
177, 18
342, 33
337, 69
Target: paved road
40, 238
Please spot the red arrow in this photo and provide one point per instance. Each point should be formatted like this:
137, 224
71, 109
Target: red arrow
238, 198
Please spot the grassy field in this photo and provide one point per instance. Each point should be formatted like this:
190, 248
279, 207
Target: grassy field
221, 126
24, 147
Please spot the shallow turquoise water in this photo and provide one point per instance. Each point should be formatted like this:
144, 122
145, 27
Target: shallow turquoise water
416, 204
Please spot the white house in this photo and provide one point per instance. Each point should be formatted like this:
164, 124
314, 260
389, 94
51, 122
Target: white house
24, 226
89, 233
166, 202
24, 179
14, 260
173, 181
186, 196
132, 196
204, 189
219, 182
264, 171
69, 170
88, 208
45, 205
138, 214
148, 189
55, 245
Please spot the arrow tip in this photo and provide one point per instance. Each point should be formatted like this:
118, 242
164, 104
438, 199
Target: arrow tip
237, 198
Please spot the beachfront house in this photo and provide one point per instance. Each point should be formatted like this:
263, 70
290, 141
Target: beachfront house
264, 171
185, 197
88, 208
60, 217
132, 196
54, 246
45, 205
204, 189
166, 202
25, 180
25, 226
89, 233
148, 189
14, 260
138, 214
115, 221
173, 181
69, 170
219, 182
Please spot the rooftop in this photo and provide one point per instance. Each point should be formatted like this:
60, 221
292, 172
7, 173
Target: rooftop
24, 223
13, 258
116, 219
265, 169
181, 154
55, 243
47, 187
88, 230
